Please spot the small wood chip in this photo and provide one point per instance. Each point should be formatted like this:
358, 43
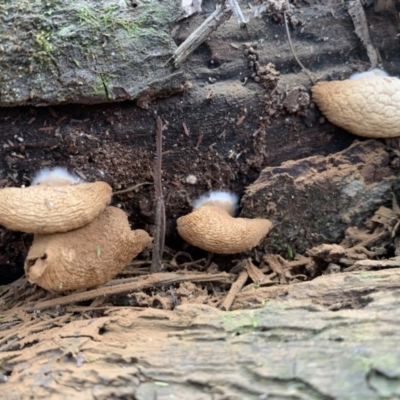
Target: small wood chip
254, 273
185, 129
199, 140
240, 120
234, 290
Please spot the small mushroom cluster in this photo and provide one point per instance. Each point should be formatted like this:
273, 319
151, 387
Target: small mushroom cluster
252, 56
79, 241
212, 226
267, 75
367, 104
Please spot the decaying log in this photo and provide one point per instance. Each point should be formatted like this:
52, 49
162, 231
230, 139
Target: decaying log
315, 199
295, 348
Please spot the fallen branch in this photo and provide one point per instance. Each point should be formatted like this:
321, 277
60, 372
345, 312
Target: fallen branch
154, 280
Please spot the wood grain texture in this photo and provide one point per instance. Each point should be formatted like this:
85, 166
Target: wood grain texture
296, 348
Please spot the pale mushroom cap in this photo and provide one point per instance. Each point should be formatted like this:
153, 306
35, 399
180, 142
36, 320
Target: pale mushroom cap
51, 209
369, 106
211, 228
85, 257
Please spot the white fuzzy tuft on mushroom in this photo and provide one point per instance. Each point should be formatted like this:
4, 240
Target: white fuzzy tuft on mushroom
57, 175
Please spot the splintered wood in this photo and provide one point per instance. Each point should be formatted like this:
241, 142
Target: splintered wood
153, 280
357, 14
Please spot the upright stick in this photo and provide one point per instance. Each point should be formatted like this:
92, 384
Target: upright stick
159, 231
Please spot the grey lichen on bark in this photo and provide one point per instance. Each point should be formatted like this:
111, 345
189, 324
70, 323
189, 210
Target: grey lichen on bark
55, 52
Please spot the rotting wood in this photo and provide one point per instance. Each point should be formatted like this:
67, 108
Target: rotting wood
357, 14
284, 349
154, 280
384, 5
86, 52
326, 289
267, 362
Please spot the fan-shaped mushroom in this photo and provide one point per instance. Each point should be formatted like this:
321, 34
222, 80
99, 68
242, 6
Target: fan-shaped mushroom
85, 257
52, 207
366, 105
212, 227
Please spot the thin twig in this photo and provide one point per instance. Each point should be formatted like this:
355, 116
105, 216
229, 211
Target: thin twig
159, 232
242, 21
154, 280
131, 189
234, 290
217, 18
291, 46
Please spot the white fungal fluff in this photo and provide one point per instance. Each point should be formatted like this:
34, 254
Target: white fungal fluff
191, 179
367, 74
226, 200
52, 176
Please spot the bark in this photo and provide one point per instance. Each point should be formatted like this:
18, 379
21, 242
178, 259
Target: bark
55, 52
296, 348
313, 200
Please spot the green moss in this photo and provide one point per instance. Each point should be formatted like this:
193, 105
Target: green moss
88, 16
49, 38
43, 40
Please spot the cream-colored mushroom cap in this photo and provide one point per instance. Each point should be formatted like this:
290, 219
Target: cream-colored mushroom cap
211, 228
52, 208
368, 106
85, 257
